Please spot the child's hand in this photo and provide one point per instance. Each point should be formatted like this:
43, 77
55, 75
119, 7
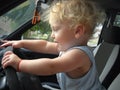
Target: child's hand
15, 44
10, 59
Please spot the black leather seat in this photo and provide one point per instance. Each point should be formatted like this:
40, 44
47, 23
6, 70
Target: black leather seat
107, 56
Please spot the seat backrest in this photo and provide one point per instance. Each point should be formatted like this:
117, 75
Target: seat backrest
107, 56
112, 68
110, 62
102, 54
115, 85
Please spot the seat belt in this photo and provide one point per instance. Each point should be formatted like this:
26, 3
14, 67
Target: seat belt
113, 73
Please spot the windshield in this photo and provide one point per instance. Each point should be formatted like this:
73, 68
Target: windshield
16, 17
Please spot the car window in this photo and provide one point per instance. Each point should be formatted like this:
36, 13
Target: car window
117, 20
16, 17
42, 30
21, 14
95, 37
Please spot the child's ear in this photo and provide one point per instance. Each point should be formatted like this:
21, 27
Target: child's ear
79, 31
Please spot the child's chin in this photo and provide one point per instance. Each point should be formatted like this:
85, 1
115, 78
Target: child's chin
61, 48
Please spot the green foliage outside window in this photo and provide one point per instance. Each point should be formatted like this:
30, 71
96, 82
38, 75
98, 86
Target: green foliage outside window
41, 30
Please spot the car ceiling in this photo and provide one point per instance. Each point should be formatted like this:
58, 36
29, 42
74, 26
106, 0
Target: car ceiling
109, 4
6, 5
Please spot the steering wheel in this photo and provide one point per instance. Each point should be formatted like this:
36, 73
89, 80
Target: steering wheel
19, 80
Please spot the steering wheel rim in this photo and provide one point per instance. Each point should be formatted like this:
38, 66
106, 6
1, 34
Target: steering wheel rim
12, 78
11, 75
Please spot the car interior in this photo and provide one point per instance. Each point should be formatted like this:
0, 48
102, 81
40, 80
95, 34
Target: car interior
106, 52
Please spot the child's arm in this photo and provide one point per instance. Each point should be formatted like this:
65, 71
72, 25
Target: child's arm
68, 62
34, 45
74, 60
40, 46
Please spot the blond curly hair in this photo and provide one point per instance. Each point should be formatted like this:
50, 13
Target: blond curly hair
85, 12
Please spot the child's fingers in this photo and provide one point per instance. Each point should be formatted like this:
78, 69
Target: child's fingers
5, 61
6, 43
8, 53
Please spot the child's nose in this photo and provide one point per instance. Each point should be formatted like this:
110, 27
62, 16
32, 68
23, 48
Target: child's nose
52, 35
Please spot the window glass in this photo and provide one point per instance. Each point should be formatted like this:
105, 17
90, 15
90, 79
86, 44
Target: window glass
95, 37
16, 17
117, 21
41, 30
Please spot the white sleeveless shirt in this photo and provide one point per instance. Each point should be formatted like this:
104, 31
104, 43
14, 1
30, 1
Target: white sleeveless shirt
90, 81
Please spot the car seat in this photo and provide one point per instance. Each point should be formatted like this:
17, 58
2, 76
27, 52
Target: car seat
107, 55
115, 85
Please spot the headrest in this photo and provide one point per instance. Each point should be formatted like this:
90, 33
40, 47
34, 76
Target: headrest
111, 35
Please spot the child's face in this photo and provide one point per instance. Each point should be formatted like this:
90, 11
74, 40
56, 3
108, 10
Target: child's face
62, 33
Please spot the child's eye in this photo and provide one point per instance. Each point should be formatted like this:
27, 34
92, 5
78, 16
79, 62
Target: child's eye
55, 29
